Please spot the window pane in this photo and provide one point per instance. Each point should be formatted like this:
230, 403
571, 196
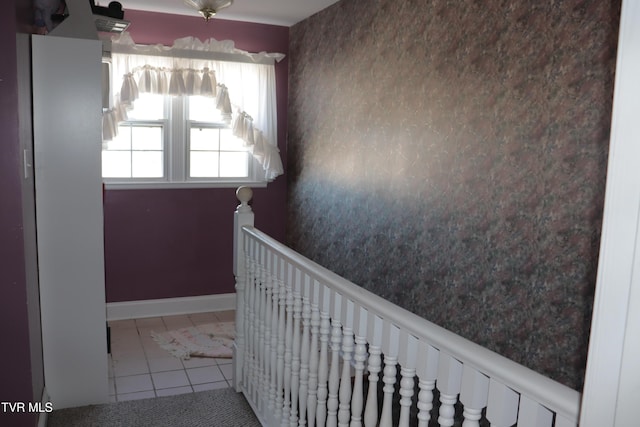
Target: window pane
233, 165
146, 137
203, 109
228, 142
147, 107
147, 164
116, 164
204, 139
203, 164
122, 141
142, 149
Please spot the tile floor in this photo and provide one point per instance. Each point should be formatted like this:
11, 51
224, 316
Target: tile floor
139, 368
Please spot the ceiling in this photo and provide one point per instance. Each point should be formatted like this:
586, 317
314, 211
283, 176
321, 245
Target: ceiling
275, 12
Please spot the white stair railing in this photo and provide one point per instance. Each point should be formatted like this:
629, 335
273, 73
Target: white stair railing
313, 349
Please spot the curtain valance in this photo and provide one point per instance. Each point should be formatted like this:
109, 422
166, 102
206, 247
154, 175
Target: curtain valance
243, 84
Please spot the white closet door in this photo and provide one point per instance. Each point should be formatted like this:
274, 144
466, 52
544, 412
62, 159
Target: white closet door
67, 149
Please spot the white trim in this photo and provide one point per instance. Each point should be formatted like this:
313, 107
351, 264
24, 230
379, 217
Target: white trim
42, 416
170, 306
612, 382
175, 185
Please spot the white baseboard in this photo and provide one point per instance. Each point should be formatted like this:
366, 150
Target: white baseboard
170, 306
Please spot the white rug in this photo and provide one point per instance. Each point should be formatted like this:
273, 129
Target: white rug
209, 340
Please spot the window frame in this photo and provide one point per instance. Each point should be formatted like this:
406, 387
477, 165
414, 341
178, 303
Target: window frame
176, 149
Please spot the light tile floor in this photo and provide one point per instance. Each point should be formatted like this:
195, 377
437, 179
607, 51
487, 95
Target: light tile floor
139, 368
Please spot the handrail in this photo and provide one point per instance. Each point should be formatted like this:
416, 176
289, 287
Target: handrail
559, 398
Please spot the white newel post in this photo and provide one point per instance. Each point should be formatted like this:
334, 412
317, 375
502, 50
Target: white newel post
242, 216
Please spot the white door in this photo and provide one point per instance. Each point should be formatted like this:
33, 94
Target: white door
612, 384
67, 109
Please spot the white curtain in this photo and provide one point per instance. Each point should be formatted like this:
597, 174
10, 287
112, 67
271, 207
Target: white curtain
242, 82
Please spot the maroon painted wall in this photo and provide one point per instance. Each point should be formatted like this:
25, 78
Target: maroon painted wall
20, 378
178, 243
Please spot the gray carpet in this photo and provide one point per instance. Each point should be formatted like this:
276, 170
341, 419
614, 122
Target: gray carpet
217, 408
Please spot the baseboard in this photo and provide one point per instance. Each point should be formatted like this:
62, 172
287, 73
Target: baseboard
170, 306
42, 416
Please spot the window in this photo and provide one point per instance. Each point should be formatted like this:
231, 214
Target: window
197, 114
173, 141
213, 150
138, 151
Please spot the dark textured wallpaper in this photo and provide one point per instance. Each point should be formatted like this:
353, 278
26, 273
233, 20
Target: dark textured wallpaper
450, 156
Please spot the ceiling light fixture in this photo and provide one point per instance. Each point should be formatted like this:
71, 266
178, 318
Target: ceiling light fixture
208, 8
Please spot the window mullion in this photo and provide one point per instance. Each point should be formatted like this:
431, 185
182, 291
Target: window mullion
178, 139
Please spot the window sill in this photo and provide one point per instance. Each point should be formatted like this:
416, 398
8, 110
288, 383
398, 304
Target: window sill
180, 185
